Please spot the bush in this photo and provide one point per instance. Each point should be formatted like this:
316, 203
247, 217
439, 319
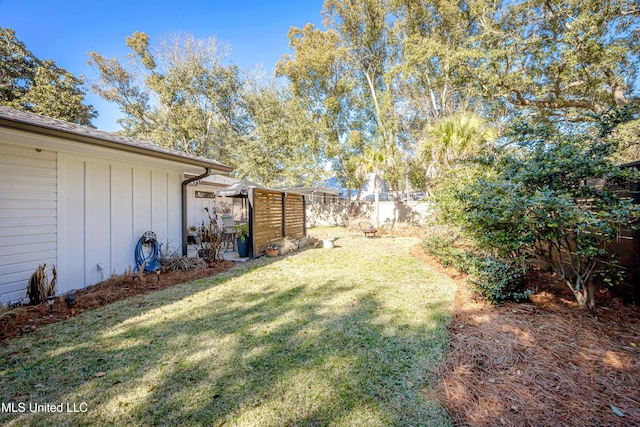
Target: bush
499, 281
495, 279
554, 197
441, 241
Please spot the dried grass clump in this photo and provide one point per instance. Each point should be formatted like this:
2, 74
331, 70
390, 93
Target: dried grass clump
183, 263
39, 287
10, 317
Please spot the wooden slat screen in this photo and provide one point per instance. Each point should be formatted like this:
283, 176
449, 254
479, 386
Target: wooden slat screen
271, 223
294, 216
267, 219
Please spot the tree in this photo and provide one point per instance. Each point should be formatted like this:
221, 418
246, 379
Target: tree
363, 27
183, 95
283, 146
453, 139
433, 75
565, 59
39, 86
340, 73
543, 202
322, 80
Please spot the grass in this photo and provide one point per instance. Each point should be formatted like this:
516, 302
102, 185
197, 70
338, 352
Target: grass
344, 337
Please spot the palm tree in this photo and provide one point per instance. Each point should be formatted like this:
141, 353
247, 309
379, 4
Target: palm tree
452, 139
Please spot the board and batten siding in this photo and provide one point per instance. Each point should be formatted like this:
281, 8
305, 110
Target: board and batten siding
104, 208
196, 215
28, 212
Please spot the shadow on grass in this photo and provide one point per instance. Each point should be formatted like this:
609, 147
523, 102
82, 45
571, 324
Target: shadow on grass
306, 352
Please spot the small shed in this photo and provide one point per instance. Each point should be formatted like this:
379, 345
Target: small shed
273, 214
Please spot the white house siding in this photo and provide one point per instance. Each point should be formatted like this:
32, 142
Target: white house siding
105, 206
196, 214
27, 216
77, 198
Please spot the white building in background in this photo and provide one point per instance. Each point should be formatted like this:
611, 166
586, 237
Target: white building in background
79, 199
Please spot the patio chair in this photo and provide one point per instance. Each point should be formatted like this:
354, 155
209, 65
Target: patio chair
368, 229
352, 227
228, 231
388, 226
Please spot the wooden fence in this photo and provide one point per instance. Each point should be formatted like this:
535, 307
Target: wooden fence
275, 215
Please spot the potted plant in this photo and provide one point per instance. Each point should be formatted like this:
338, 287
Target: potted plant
242, 240
271, 250
193, 235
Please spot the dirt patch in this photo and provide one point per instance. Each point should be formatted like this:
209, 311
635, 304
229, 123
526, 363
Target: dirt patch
541, 363
26, 319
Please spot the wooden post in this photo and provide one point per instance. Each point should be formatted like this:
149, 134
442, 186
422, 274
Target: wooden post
284, 215
304, 216
251, 220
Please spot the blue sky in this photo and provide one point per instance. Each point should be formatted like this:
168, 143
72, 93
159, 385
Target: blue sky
64, 31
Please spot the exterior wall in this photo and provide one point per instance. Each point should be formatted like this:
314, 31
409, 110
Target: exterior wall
104, 208
196, 214
28, 212
76, 206
321, 198
414, 212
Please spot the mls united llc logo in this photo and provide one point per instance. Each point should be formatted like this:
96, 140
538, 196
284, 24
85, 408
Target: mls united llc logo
34, 407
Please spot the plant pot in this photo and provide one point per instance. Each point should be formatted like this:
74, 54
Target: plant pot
271, 252
243, 247
328, 243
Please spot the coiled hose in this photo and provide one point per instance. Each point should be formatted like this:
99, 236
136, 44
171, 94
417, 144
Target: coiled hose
152, 259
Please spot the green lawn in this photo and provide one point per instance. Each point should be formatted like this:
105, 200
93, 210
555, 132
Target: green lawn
348, 336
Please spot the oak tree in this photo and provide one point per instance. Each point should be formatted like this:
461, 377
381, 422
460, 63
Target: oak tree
39, 86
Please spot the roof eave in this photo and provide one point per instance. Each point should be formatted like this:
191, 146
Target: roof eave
113, 145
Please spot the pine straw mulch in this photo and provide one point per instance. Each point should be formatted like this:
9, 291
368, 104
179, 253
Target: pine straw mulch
28, 318
543, 363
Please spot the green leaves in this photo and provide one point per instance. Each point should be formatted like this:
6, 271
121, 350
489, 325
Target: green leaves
39, 86
185, 97
497, 280
453, 139
555, 199
284, 145
560, 58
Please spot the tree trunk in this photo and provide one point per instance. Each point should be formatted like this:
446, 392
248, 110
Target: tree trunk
581, 298
585, 295
376, 198
591, 292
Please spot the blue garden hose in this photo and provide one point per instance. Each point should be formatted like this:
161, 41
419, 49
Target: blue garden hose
152, 259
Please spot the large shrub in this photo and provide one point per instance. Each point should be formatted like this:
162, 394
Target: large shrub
554, 199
